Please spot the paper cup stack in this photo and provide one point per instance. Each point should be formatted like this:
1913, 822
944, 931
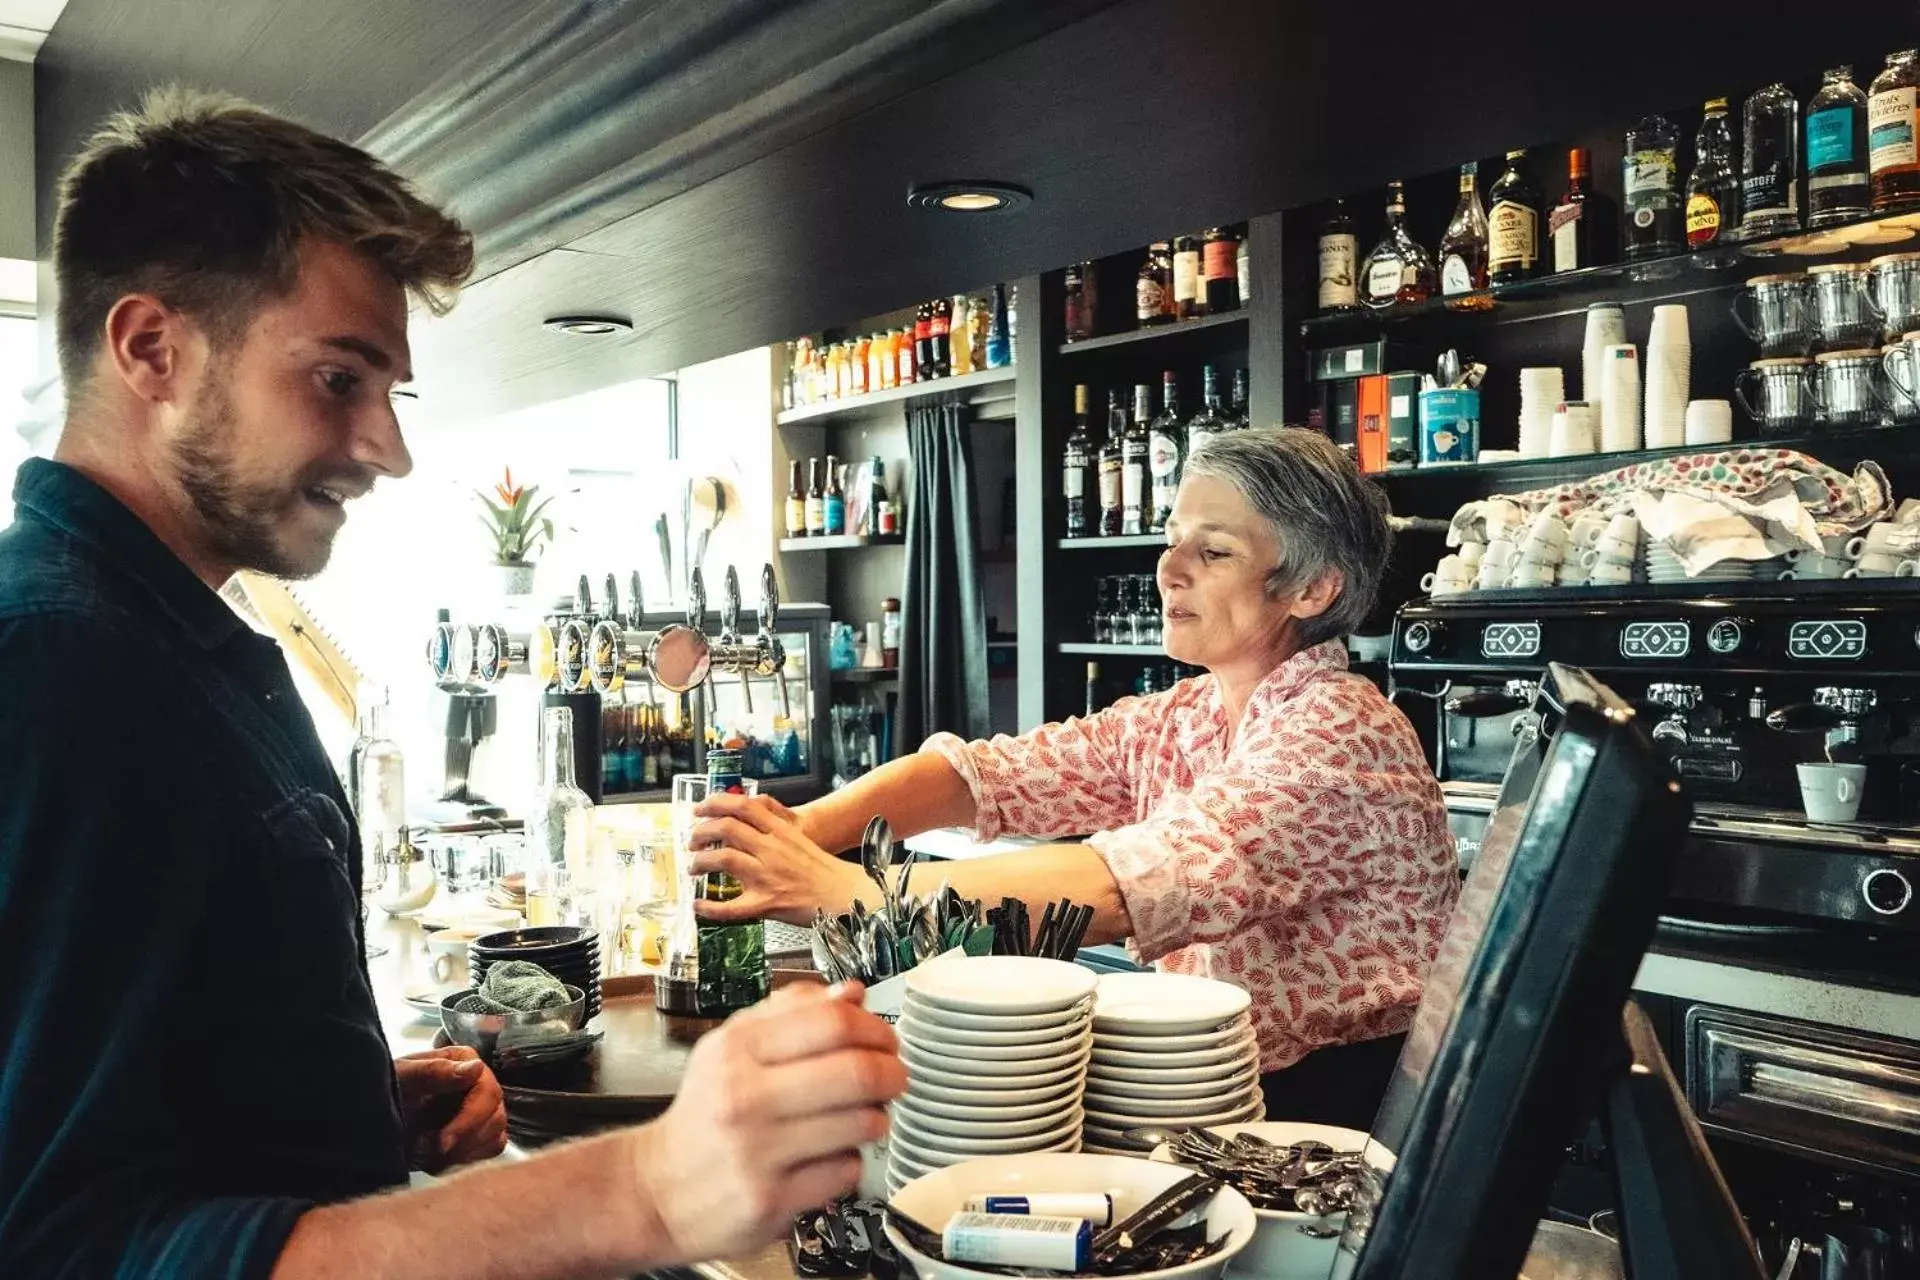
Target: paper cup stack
996, 1055
1606, 327
1542, 390
1169, 1050
1668, 378
1620, 405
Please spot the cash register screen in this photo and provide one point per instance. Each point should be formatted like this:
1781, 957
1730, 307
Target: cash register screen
1520, 1019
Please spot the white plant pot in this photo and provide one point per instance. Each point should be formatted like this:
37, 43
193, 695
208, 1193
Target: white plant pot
514, 579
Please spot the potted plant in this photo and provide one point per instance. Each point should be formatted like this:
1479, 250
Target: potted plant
518, 528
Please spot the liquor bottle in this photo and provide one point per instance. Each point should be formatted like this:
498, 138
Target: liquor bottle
816, 500
557, 816
1582, 226
1166, 452
1081, 298
1189, 298
1153, 290
1112, 508
1769, 163
796, 502
1220, 271
1713, 188
943, 337
1243, 268
1135, 447
1074, 465
1339, 261
1837, 186
834, 500
366, 699
1893, 133
1655, 223
1463, 250
1513, 224
876, 526
381, 771
733, 957
1093, 687
965, 358
1397, 270
788, 397
1240, 410
980, 322
906, 361
1209, 421
999, 332
923, 342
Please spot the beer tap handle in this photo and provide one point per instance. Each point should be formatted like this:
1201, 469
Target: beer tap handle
613, 599
769, 600
697, 601
730, 608
772, 653
583, 598
636, 607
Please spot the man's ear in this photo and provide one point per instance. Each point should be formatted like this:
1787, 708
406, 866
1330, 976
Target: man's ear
146, 346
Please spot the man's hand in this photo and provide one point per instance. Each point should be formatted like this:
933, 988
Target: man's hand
785, 875
772, 1110
452, 1106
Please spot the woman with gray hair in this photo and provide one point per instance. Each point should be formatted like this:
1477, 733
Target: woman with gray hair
1272, 823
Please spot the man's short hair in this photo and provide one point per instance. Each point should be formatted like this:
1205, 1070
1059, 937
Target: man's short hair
203, 200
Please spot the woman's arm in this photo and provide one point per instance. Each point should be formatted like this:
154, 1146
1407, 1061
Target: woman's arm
915, 793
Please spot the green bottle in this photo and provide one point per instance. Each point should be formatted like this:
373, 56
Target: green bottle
733, 957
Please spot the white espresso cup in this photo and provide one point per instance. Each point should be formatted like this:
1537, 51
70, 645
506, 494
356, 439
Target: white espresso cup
1812, 566
1886, 539
1875, 565
1610, 573
1624, 528
1616, 550
1586, 529
1547, 539
1534, 573
1470, 553
1831, 792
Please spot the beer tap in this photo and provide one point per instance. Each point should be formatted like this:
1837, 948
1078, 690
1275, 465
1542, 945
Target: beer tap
761, 655
677, 656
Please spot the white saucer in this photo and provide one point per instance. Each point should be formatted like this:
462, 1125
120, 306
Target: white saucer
934, 1016
1229, 1051
916, 1025
928, 1122
1072, 1038
1002, 985
972, 1094
1229, 1034
903, 1149
973, 1086
1100, 1082
946, 1143
1154, 1109
919, 1059
1165, 1003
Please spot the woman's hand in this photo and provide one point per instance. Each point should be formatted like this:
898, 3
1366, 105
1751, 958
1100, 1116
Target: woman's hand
784, 875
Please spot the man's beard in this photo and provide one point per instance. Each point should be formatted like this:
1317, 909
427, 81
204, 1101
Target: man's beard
240, 521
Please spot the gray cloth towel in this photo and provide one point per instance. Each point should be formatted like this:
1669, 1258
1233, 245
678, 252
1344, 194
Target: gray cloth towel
516, 986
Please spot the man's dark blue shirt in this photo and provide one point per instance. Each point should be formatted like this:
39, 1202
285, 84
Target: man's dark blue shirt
190, 1055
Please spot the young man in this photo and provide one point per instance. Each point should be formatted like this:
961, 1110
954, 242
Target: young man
193, 1079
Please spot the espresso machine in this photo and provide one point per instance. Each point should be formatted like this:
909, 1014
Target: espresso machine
1785, 976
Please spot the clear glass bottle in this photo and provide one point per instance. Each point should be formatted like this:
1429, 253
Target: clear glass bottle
1893, 134
733, 957
557, 818
1081, 295
1339, 261
1837, 186
1240, 411
1713, 188
1076, 461
1397, 270
1463, 250
1514, 224
1655, 220
1166, 454
1770, 163
999, 332
383, 797
1136, 497
1210, 421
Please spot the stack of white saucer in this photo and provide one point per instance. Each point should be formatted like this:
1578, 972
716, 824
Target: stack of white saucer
1169, 1050
996, 1054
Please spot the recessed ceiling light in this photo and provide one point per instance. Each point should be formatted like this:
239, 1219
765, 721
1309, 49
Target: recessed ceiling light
589, 326
969, 197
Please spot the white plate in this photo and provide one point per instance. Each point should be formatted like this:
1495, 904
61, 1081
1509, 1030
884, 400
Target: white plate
911, 1155
1072, 1038
935, 1016
916, 1024
974, 1085
1098, 1082
1165, 1003
1173, 1044
918, 1059
1002, 985
927, 1122
1108, 1071
1060, 1099
1233, 1051
1253, 1108
923, 1140
971, 1094
1172, 1108
426, 1001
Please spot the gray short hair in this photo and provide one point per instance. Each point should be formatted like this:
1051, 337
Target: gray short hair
1327, 517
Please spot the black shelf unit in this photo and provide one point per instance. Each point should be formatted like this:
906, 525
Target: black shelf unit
1088, 649
1111, 544
839, 542
850, 406
1168, 333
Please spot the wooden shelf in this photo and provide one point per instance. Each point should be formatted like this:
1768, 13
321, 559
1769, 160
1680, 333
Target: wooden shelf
1153, 334
1098, 544
842, 542
1113, 650
848, 405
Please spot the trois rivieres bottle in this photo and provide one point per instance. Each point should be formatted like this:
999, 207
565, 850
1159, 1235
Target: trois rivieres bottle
1076, 461
733, 957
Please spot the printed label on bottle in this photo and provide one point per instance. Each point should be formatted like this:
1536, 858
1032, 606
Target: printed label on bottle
1163, 458
1830, 138
1221, 261
1186, 277
1890, 129
1337, 287
1074, 482
1767, 192
1513, 235
1455, 275
942, 326
836, 516
1151, 299
1563, 228
1383, 278
1648, 173
816, 513
1133, 485
796, 516
1110, 484
1703, 219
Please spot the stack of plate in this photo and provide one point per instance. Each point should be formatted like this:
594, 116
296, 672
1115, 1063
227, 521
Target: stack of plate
1664, 566
996, 1054
1169, 1050
568, 952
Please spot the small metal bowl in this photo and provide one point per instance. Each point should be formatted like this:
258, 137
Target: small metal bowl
489, 1032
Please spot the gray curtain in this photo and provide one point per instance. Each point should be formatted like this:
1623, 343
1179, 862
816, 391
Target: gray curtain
943, 646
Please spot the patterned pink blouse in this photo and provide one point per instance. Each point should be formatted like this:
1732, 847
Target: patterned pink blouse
1310, 863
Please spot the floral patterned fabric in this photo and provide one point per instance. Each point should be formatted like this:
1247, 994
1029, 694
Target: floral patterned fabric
1309, 863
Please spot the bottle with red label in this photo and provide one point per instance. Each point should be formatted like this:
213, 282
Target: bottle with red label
942, 346
1220, 269
923, 343
1713, 188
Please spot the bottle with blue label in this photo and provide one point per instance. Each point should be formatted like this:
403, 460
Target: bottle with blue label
1837, 187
